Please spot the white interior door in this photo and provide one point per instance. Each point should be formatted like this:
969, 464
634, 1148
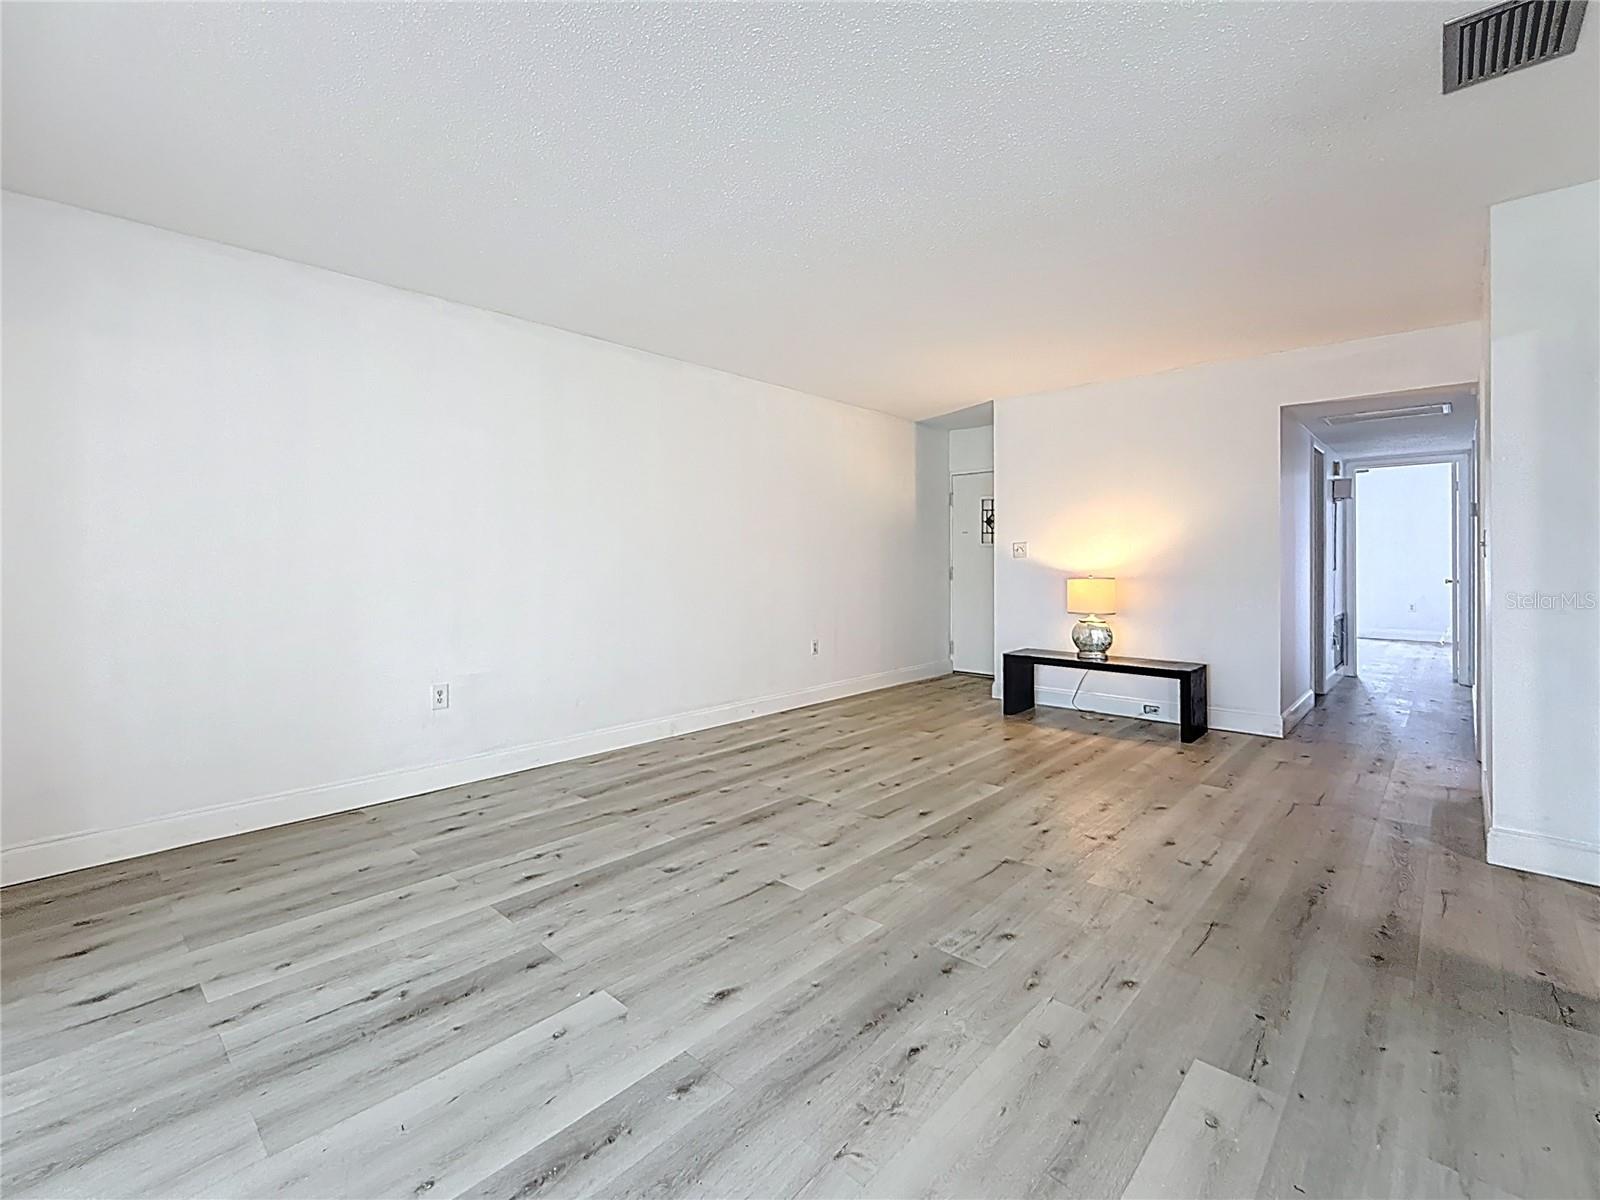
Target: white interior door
972, 573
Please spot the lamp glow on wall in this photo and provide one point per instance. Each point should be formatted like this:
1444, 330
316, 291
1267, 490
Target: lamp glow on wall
1092, 596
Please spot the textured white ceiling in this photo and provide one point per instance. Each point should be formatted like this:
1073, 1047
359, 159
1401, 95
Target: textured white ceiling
1449, 433
910, 207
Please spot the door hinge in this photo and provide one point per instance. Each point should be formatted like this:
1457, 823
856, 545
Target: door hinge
952, 572
952, 499
952, 647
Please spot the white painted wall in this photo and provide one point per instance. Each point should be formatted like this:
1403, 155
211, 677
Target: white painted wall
1295, 691
972, 449
1544, 533
1404, 532
253, 510
1171, 482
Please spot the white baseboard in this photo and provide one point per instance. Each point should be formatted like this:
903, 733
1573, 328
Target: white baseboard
1297, 711
1431, 637
72, 852
1331, 678
1114, 704
1544, 855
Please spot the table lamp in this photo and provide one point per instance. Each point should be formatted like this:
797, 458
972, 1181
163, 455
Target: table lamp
1092, 596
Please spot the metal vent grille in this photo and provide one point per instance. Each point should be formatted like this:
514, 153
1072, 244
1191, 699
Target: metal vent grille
1507, 37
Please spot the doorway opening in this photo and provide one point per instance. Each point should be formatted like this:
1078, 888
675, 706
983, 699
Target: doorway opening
1404, 574
1380, 539
1411, 541
972, 572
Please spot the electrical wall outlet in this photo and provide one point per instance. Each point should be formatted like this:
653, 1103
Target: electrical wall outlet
1019, 549
1152, 708
816, 647
441, 695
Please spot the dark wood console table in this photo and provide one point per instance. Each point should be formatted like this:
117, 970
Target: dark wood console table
1193, 716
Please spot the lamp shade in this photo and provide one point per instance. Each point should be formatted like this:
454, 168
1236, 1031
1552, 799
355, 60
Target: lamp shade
1092, 594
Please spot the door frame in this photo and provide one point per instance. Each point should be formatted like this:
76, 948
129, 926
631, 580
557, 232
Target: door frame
1319, 567
1463, 541
950, 575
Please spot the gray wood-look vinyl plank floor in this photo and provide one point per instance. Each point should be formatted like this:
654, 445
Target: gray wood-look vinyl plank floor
895, 945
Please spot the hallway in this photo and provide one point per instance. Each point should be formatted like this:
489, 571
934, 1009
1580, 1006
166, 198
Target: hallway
1404, 692
1405, 709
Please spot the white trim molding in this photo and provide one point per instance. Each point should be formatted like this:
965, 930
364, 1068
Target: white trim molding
74, 851
1543, 854
1297, 711
1432, 637
1116, 704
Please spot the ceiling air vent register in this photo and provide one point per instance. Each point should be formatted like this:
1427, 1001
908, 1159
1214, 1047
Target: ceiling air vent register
1507, 37
1388, 414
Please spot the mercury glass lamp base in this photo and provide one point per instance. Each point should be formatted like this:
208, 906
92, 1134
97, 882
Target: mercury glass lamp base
1092, 637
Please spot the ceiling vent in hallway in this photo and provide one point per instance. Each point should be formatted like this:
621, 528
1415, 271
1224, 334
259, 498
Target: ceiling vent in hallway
1388, 414
1507, 37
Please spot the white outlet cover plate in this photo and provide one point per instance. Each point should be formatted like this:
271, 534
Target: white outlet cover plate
1019, 549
